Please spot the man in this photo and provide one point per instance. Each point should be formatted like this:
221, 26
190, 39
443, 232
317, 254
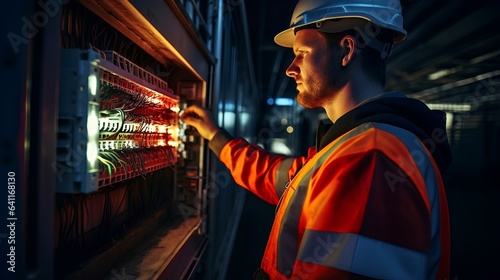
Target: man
368, 201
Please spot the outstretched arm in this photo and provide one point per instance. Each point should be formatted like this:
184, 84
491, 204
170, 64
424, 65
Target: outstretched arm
251, 166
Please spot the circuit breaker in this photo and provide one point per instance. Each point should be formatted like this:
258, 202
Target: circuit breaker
116, 121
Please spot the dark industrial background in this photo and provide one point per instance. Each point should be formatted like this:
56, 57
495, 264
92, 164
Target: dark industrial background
450, 57
221, 54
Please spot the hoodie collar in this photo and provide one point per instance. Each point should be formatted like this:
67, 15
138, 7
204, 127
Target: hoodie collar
393, 109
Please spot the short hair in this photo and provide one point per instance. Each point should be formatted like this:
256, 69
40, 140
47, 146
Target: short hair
373, 64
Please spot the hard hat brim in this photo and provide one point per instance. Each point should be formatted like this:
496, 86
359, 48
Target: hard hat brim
285, 38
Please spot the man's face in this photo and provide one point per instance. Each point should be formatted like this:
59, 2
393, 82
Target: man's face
312, 69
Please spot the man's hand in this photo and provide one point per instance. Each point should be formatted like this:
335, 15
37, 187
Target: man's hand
202, 120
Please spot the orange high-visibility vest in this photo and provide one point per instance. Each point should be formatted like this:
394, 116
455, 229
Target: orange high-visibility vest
371, 203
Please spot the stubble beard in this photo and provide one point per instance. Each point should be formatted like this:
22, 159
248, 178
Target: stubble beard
316, 95
320, 87
306, 100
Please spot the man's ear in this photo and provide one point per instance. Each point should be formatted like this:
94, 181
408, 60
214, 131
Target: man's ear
348, 47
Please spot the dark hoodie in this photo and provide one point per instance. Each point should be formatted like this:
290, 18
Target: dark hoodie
397, 110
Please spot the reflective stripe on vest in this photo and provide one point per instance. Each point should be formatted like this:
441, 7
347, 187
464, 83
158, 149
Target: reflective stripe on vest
288, 234
282, 175
352, 255
422, 158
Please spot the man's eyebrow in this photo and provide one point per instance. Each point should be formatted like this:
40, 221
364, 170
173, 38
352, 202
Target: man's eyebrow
298, 49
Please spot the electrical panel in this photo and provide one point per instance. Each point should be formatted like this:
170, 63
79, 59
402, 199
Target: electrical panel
116, 121
108, 170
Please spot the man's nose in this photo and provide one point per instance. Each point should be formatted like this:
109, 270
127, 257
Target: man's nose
293, 70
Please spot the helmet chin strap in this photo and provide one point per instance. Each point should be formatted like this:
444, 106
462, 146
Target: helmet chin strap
364, 28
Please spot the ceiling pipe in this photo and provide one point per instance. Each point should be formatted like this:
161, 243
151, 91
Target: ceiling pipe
248, 53
450, 86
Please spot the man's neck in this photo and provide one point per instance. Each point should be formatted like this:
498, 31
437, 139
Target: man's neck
350, 96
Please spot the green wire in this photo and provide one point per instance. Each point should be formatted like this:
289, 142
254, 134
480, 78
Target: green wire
107, 163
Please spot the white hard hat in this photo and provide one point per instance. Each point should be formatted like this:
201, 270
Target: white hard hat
383, 13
